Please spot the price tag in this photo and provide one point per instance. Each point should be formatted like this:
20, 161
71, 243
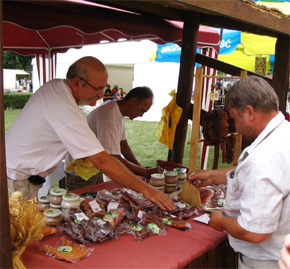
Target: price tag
203, 218
81, 216
112, 206
95, 206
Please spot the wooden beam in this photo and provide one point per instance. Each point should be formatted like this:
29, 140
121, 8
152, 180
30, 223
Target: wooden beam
185, 81
224, 67
280, 81
5, 245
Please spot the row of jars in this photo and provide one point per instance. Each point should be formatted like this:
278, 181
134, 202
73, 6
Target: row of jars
52, 204
169, 181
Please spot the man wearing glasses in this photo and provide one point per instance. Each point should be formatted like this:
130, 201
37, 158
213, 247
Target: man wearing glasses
52, 125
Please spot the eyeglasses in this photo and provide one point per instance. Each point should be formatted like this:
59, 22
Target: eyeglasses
96, 89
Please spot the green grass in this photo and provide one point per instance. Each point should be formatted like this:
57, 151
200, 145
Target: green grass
142, 138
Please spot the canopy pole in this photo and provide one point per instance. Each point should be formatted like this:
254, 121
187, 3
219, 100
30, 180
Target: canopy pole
185, 82
6, 252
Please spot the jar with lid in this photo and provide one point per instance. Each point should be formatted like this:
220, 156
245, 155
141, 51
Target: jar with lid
52, 217
181, 173
169, 188
171, 177
157, 180
55, 195
43, 203
55, 206
160, 188
70, 200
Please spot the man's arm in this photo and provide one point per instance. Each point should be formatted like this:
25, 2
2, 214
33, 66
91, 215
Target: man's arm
121, 175
220, 222
128, 153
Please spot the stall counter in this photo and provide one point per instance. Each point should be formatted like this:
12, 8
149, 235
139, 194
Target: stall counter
176, 249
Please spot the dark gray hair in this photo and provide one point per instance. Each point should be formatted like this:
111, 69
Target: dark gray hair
141, 93
253, 91
76, 70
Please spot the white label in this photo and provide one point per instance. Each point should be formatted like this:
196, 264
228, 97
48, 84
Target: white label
140, 214
112, 206
180, 205
81, 216
100, 222
95, 206
203, 218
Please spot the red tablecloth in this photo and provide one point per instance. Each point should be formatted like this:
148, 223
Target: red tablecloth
174, 250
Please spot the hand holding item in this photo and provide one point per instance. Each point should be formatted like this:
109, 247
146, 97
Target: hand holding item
284, 262
200, 178
154, 170
216, 220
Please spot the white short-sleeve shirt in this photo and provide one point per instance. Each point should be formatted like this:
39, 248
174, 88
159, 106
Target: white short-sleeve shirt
49, 126
108, 124
258, 191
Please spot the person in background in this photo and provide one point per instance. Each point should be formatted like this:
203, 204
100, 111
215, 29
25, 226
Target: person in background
51, 125
114, 90
284, 262
119, 95
107, 93
256, 215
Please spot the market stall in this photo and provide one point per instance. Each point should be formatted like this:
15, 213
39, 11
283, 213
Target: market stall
176, 249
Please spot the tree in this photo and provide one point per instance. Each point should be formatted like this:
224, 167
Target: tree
12, 60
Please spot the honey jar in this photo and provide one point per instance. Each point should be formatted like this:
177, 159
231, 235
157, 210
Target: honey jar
43, 203
70, 200
169, 188
55, 195
52, 217
157, 180
171, 177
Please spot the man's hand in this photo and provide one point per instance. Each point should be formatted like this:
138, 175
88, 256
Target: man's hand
216, 220
154, 170
284, 262
160, 198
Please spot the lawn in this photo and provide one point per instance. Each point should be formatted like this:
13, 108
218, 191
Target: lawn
143, 141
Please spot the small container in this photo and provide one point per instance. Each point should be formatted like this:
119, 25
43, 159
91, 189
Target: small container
181, 173
55, 206
169, 188
171, 177
160, 188
180, 184
70, 200
43, 203
53, 217
157, 180
55, 195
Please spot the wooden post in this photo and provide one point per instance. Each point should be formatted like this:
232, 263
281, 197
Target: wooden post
6, 252
196, 120
185, 81
239, 137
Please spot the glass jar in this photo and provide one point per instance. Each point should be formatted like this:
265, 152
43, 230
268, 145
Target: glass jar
52, 217
171, 177
180, 184
169, 188
55, 206
43, 203
181, 173
157, 180
55, 195
160, 188
70, 200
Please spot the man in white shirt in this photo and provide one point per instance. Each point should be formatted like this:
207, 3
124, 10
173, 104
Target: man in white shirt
257, 210
108, 123
52, 125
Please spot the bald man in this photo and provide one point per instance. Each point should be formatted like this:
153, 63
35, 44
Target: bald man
52, 125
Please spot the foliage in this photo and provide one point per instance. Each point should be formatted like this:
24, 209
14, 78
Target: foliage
12, 60
15, 100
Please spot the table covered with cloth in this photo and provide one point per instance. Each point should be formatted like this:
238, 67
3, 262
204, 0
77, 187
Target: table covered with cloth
201, 247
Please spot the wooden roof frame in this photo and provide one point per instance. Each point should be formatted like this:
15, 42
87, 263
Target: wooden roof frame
230, 14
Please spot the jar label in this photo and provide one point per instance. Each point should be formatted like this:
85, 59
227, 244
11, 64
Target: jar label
153, 227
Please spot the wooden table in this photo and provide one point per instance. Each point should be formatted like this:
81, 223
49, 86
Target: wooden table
201, 247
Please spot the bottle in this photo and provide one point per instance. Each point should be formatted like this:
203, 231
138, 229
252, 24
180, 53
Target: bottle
70, 200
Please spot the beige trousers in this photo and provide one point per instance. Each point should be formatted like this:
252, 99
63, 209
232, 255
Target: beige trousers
27, 189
